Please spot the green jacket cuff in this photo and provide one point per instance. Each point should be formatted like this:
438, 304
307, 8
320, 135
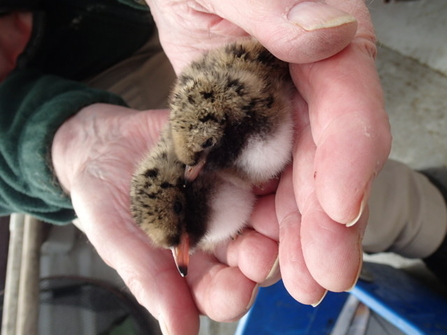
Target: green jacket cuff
32, 107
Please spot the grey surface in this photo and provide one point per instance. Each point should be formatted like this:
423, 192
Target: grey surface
416, 29
412, 63
415, 98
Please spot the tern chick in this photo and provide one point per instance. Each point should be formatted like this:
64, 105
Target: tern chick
182, 217
231, 111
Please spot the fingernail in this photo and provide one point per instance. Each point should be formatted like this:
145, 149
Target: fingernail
358, 275
273, 275
317, 15
253, 297
319, 301
356, 219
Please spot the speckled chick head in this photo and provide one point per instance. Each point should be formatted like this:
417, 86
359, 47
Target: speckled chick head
198, 117
157, 196
217, 91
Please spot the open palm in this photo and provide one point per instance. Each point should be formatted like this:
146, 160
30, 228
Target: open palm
98, 161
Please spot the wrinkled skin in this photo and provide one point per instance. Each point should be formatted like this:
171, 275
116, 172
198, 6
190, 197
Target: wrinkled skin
342, 141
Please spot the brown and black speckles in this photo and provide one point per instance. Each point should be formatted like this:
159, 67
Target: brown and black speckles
158, 196
238, 50
236, 85
265, 57
141, 192
197, 208
184, 79
269, 101
165, 184
197, 65
209, 117
191, 100
234, 90
208, 95
252, 103
177, 96
151, 173
255, 104
152, 195
220, 105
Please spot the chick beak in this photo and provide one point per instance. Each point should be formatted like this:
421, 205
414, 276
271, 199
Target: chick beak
192, 171
181, 255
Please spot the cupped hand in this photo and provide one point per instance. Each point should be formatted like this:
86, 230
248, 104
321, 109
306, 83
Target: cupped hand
94, 155
343, 136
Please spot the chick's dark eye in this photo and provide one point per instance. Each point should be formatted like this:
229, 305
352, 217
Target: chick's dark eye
178, 207
207, 143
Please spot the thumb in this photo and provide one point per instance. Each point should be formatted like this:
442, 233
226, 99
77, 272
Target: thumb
293, 30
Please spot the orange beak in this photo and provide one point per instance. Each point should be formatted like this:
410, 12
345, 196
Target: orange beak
181, 255
191, 172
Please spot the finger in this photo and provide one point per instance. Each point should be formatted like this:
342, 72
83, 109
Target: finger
296, 31
254, 254
293, 30
268, 187
150, 274
263, 218
349, 127
221, 292
332, 252
294, 270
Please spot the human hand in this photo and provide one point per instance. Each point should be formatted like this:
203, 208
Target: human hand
94, 155
343, 136
15, 31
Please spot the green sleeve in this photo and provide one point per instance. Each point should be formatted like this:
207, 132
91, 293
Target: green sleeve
138, 4
32, 107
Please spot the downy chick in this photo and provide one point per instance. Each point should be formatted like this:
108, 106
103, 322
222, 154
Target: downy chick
231, 111
185, 217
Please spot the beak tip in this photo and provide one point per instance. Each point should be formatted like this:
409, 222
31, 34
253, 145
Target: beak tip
183, 270
181, 255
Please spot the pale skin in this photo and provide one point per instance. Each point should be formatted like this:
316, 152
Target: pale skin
342, 140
